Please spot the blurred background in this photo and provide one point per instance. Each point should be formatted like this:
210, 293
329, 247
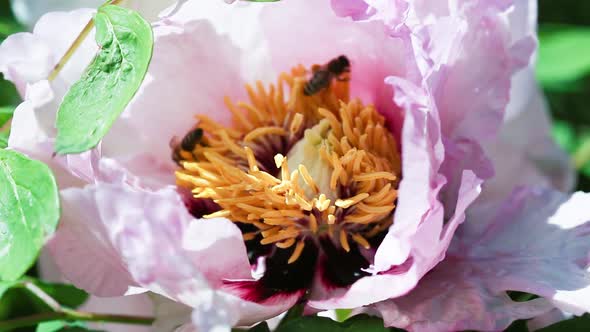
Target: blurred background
563, 72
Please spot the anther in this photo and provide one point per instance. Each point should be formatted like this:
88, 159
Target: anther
297, 252
344, 240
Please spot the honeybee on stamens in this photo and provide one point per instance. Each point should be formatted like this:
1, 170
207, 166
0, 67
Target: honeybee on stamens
323, 75
187, 144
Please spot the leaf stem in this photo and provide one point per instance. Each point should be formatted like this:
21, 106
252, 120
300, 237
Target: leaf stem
40, 294
75, 45
72, 315
65, 314
71, 50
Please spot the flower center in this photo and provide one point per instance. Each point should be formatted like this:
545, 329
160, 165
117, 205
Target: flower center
300, 162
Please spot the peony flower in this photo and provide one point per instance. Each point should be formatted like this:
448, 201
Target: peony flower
392, 155
29, 11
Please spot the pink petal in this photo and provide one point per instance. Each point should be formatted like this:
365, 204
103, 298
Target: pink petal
443, 164
452, 299
82, 249
526, 154
474, 59
163, 248
491, 256
132, 137
547, 319
374, 53
29, 57
169, 314
357, 10
391, 12
411, 249
29, 11
192, 69
135, 305
562, 222
139, 304
32, 133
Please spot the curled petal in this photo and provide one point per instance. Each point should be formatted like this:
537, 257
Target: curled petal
82, 249
527, 264
29, 57
490, 257
525, 153
391, 12
452, 299
474, 58
412, 248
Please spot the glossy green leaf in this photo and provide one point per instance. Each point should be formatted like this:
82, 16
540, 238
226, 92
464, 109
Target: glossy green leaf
563, 54
92, 104
29, 211
4, 286
4, 138
360, 323
582, 155
60, 326
8, 93
66, 295
8, 26
5, 114
343, 314
565, 135
579, 324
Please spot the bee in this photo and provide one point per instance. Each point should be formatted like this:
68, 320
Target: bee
187, 144
323, 75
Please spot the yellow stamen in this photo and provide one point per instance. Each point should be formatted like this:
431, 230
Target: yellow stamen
361, 240
218, 214
297, 252
285, 244
344, 240
346, 203
341, 181
258, 132
308, 179
249, 236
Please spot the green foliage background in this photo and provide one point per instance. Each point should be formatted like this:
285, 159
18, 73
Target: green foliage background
564, 72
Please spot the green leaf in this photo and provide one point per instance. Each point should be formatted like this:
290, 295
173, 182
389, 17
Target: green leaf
29, 211
66, 295
8, 93
565, 135
4, 286
5, 114
4, 138
94, 102
8, 26
579, 324
342, 314
563, 54
360, 323
60, 326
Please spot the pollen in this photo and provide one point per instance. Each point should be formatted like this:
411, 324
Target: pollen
297, 166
